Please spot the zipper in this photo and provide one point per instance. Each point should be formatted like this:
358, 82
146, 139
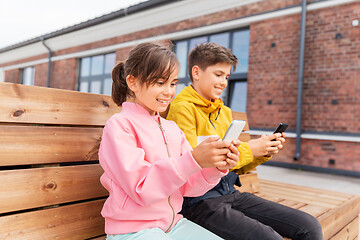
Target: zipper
168, 153
173, 218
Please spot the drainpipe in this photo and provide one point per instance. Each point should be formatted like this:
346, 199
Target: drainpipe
49, 62
300, 81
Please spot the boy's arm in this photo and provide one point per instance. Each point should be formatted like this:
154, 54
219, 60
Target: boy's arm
185, 119
247, 162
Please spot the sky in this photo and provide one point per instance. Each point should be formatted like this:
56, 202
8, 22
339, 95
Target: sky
21, 20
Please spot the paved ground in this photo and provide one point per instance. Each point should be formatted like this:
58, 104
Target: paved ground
311, 179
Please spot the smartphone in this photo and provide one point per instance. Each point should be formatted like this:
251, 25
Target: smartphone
234, 130
280, 129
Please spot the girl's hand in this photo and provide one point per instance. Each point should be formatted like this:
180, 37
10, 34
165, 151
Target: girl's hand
232, 156
211, 153
264, 146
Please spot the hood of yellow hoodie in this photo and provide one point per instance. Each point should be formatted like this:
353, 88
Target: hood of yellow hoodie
190, 95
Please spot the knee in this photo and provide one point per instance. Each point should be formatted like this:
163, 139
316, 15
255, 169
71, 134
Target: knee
311, 230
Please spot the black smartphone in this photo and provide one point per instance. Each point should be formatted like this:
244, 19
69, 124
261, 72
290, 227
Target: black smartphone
281, 128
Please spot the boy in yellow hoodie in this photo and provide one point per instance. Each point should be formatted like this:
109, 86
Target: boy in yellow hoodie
200, 113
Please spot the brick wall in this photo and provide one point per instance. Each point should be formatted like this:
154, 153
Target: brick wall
64, 74
332, 71
331, 99
320, 153
12, 76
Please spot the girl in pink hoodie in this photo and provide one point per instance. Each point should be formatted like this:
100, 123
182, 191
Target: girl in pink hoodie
148, 164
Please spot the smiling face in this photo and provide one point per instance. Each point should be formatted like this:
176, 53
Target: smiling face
155, 97
212, 81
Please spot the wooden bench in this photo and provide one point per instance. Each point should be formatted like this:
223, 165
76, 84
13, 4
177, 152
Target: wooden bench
51, 190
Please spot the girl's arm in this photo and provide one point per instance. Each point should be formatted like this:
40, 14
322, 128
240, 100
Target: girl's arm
200, 182
126, 165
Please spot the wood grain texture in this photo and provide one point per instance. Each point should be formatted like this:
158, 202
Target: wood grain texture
73, 222
30, 104
21, 145
38, 187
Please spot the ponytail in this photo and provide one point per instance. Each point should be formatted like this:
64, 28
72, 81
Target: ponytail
120, 91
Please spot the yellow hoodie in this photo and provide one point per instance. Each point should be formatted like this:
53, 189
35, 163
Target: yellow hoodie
200, 119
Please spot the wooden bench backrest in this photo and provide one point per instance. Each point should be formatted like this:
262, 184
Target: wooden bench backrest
48, 187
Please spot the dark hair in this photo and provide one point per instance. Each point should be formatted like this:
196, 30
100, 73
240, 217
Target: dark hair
148, 62
208, 54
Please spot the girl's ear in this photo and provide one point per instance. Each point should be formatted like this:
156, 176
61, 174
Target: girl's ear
195, 72
132, 83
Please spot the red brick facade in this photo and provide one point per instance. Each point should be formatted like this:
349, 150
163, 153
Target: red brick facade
331, 99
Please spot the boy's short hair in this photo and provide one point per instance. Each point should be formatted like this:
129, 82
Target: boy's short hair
208, 54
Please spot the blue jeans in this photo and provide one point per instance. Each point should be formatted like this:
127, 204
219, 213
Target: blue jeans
245, 216
183, 230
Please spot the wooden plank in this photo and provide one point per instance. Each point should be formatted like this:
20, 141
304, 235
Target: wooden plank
32, 188
241, 116
319, 198
249, 183
333, 221
21, 145
270, 197
73, 222
350, 231
313, 210
32, 104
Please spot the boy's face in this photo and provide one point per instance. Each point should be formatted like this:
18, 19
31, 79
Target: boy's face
212, 81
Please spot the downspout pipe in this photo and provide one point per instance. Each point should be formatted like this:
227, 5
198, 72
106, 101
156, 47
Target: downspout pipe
300, 81
49, 61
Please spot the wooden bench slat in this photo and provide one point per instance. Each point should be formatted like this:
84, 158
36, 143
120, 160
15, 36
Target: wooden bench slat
249, 183
32, 188
241, 116
29, 104
21, 145
320, 198
314, 210
334, 220
350, 231
73, 222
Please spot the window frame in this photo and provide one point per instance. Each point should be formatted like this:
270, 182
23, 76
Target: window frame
89, 79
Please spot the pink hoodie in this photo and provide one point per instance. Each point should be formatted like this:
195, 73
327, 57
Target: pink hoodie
145, 185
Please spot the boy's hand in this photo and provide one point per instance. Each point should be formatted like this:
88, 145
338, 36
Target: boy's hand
263, 146
232, 156
211, 153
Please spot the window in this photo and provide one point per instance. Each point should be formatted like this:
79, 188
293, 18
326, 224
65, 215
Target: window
238, 40
95, 74
28, 76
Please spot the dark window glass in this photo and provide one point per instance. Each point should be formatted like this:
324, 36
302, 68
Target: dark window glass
238, 97
196, 41
95, 74
221, 39
181, 50
240, 47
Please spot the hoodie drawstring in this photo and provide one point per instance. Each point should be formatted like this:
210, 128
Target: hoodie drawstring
215, 118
